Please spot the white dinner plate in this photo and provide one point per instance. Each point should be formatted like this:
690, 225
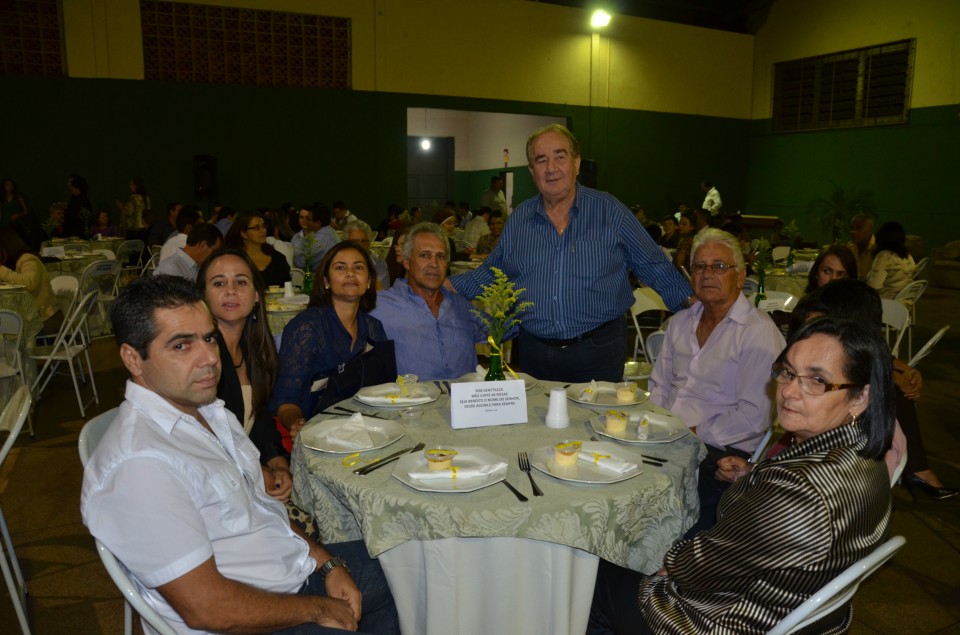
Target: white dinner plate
662, 428
425, 392
528, 381
606, 392
285, 309
382, 433
466, 457
542, 459
9, 286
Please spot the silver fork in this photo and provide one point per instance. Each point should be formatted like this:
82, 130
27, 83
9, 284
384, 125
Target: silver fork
524, 461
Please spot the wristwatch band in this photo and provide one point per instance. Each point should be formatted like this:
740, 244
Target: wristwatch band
332, 564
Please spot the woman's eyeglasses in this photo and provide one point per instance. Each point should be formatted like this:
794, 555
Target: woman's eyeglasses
809, 384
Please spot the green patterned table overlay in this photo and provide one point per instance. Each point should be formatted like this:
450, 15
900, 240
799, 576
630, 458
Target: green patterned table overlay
631, 523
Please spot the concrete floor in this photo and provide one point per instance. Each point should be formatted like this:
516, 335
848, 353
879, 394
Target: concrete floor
918, 592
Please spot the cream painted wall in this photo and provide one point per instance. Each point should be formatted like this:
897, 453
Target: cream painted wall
499, 49
802, 28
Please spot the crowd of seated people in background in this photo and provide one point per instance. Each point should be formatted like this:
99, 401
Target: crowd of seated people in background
371, 317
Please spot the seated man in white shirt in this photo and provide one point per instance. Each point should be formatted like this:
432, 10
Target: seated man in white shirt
186, 219
203, 240
176, 491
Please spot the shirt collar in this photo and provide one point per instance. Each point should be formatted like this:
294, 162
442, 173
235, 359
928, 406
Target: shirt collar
162, 412
848, 435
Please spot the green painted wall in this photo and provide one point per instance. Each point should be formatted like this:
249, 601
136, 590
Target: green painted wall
299, 145
912, 171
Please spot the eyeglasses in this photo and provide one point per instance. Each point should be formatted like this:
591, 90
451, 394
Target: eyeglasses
811, 385
718, 268
255, 227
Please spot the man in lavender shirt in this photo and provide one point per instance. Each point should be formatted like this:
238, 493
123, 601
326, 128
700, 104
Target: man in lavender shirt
714, 369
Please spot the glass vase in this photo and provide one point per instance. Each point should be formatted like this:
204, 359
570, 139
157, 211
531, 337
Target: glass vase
307, 283
496, 369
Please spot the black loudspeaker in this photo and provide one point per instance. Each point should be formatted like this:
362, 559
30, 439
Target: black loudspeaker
588, 173
204, 175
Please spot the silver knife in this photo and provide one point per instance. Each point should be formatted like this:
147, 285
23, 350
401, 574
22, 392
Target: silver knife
378, 462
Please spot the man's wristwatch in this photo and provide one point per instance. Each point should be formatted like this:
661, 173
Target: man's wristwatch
332, 564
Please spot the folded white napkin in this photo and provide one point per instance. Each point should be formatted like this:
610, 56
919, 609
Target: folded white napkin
607, 463
589, 394
801, 266
300, 299
459, 473
352, 435
391, 396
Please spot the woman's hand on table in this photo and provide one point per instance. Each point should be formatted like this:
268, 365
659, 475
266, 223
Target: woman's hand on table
292, 419
731, 468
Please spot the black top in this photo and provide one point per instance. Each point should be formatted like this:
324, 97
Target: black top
264, 433
277, 272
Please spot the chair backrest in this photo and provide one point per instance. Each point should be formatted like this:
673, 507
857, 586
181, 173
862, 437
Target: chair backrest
895, 316
780, 254
296, 277
90, 436
130, 248
12, 418
654, 344
838, 591
65, 287
750, 286
106, 253
758, 453
646, 299
286, 249
912, 291
102, 274
923, 352
920, 267
151, 264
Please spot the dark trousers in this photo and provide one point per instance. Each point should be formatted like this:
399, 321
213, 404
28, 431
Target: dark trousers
599, 356
710, 489
910, 424
379, 611
615, 607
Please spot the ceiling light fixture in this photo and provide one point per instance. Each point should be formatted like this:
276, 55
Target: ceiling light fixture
599, 19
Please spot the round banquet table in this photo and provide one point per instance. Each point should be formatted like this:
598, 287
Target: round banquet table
482, 561
73, 265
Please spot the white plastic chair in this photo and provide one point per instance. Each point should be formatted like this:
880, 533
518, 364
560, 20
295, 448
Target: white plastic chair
11, 420
286, 249
838, 591
11, 324
779, 255
920, 267
909, 296
926, 348
70, 344
296, 277
151, 264
895, 316
645, 299
90, 436
654, 346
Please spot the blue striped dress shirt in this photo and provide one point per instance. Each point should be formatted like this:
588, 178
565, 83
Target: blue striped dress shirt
578, 280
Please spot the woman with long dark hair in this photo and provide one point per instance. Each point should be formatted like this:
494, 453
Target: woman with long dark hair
234, 290
249, 233
834, 263
12, 204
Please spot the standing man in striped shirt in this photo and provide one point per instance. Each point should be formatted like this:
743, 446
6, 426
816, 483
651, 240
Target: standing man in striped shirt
572, 248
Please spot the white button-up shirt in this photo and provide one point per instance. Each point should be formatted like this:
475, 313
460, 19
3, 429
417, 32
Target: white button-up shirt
164, 495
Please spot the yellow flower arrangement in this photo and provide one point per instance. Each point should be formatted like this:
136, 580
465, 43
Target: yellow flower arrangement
501, 305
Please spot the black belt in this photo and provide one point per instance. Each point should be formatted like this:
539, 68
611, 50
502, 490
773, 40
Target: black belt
576, 340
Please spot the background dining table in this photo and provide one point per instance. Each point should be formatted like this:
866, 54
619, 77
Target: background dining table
483, 561
22, 303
